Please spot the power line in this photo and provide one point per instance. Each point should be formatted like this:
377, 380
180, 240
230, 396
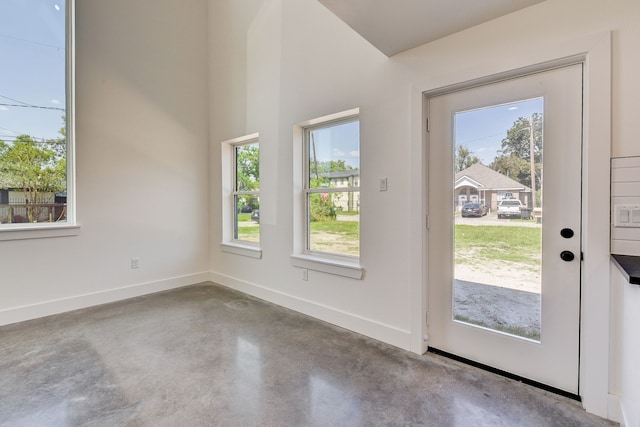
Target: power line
482, 137
33, 106
32, 41
14, 100
10, 130
12, 139
23, 104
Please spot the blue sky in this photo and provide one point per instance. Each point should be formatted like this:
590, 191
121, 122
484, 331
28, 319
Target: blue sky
32, 48
341, 142
482, 130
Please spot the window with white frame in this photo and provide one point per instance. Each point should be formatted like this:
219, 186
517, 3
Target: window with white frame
241, 195
36, 117
331, 176
246, 192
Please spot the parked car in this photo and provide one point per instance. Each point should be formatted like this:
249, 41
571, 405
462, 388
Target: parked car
473, 209
511, 208
255, 216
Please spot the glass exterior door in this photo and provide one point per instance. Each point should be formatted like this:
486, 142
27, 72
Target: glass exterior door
504, 212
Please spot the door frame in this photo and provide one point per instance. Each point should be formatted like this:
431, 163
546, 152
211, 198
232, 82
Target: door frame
595, 53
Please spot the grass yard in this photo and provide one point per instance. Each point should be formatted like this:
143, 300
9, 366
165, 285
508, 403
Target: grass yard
473, 244
341, 237
478, 244
345, 229
248, 230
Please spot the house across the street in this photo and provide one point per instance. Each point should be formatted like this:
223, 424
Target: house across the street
481, 184
347, 201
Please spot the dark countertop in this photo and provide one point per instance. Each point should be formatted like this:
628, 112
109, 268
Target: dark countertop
629, 266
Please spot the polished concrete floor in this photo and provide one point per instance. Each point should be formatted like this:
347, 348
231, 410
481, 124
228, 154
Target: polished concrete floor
205, 355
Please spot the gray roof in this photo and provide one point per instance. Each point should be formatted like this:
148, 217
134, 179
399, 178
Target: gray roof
490, 179
341, 174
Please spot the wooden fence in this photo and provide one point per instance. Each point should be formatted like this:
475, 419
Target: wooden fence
31, 212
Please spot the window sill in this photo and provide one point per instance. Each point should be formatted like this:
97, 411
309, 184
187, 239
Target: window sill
352, 270
37, 231
240, 249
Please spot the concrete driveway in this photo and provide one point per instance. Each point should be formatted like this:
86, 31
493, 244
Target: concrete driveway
492, 219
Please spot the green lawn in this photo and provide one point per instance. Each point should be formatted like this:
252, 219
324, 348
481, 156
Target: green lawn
248, 230
476, 244
340, 237
346, 229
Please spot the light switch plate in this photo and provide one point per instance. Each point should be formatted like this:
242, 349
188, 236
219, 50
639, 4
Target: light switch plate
627, 216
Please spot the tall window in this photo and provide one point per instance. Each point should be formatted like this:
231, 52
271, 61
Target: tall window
246, 191
35, 114
332, 187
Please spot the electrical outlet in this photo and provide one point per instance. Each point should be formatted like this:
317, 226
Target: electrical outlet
305, 274
135, 263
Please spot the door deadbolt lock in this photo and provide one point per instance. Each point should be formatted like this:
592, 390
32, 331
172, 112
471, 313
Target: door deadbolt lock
567, 233
567, 256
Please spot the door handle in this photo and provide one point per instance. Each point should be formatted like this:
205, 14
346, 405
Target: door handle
567, 256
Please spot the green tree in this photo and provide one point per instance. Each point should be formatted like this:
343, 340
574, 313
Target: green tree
514, 167
514, 157
333, 166
518, 140
464, 158
248, 167
38, 169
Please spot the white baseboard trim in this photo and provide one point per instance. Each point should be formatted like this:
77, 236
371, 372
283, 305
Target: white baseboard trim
352, 322
615, 410
47, 308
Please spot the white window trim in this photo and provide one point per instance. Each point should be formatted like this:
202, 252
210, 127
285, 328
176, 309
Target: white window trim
301, 257
44, 230
229, 244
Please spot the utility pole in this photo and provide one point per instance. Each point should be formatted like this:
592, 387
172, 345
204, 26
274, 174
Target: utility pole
315, 159
533, 163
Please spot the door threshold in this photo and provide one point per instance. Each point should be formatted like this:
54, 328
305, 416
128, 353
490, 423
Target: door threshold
506, 374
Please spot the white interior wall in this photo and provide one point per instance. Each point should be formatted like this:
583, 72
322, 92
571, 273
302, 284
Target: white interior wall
142, 124
314, 65
334, 71
142, 170
625, 364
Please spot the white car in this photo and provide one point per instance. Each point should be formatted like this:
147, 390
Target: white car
510, 208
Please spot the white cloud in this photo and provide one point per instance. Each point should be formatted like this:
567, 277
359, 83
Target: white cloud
354, 153
3, 108
55, 101
335, 152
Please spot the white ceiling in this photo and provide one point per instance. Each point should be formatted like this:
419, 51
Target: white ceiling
394, 26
